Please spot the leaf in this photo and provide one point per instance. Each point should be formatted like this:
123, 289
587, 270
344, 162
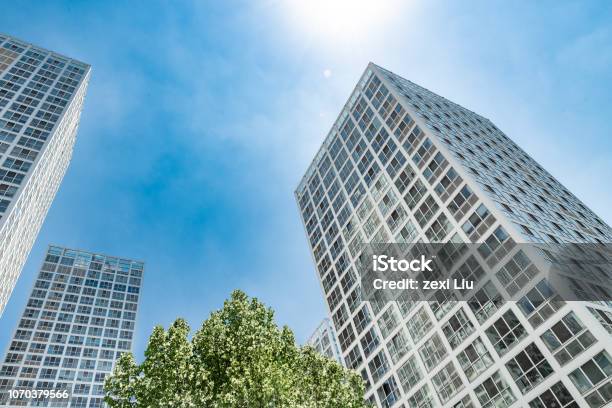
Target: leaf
238, 358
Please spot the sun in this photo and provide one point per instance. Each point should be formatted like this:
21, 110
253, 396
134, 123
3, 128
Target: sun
341, 20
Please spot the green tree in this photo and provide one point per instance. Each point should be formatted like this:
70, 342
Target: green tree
238, 358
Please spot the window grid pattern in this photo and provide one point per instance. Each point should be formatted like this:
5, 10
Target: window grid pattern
448, 151
79, 318
325, 342
41, 97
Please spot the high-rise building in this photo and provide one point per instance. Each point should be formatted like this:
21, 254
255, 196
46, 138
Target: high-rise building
79, 318
41, 97
325, 342
404, 165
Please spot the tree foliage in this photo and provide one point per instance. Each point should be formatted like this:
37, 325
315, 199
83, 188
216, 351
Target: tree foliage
238, 358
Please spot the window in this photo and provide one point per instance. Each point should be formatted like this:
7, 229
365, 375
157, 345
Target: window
379, 187
360, 106
78, 402
388, 393
325, 215
371, 225
4, 205
7, 191
407, 233
371, 174
346, 337
419, 324
485, 302
366, 118
335, 147
475, 359
331, 193
396, 217
340, 159
24, 154
470, 270
373, 128
396, 164
387, 202
369, 342
364, 209
409, 374
458, 328
505, 332
442, 302
426, 211
406, 303
447, 382
438, 229
529, 368
335, 248
388, 321
451, 251
403, 127
556, 396
422, 398
373, 85
432, 352
567, 338
398, 346
11, 176
465, 402
353, 358
456, 206
350, 183
414, 195
362, 319
348, 280
353, 300
413, 139
447, 184
334, 298
590, 375
379, 96
378, 366
435, 168
356, 195
516, 273
478, 222
423, 153
540, 303
386, 106
495, 392
395, 116
12, 358
495, 246
378, 302
403, 180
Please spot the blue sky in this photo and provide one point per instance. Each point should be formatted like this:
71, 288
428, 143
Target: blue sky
202, 116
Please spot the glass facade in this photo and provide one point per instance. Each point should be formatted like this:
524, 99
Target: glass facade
41, 97
402, 164
79, 318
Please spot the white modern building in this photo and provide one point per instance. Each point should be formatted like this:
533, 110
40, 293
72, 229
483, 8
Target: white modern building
79, 318
41, 97
325, 342
404, 165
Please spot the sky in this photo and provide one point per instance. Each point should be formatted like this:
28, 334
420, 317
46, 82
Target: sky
202, 116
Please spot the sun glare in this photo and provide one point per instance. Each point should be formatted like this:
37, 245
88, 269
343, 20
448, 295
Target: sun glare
342, 20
